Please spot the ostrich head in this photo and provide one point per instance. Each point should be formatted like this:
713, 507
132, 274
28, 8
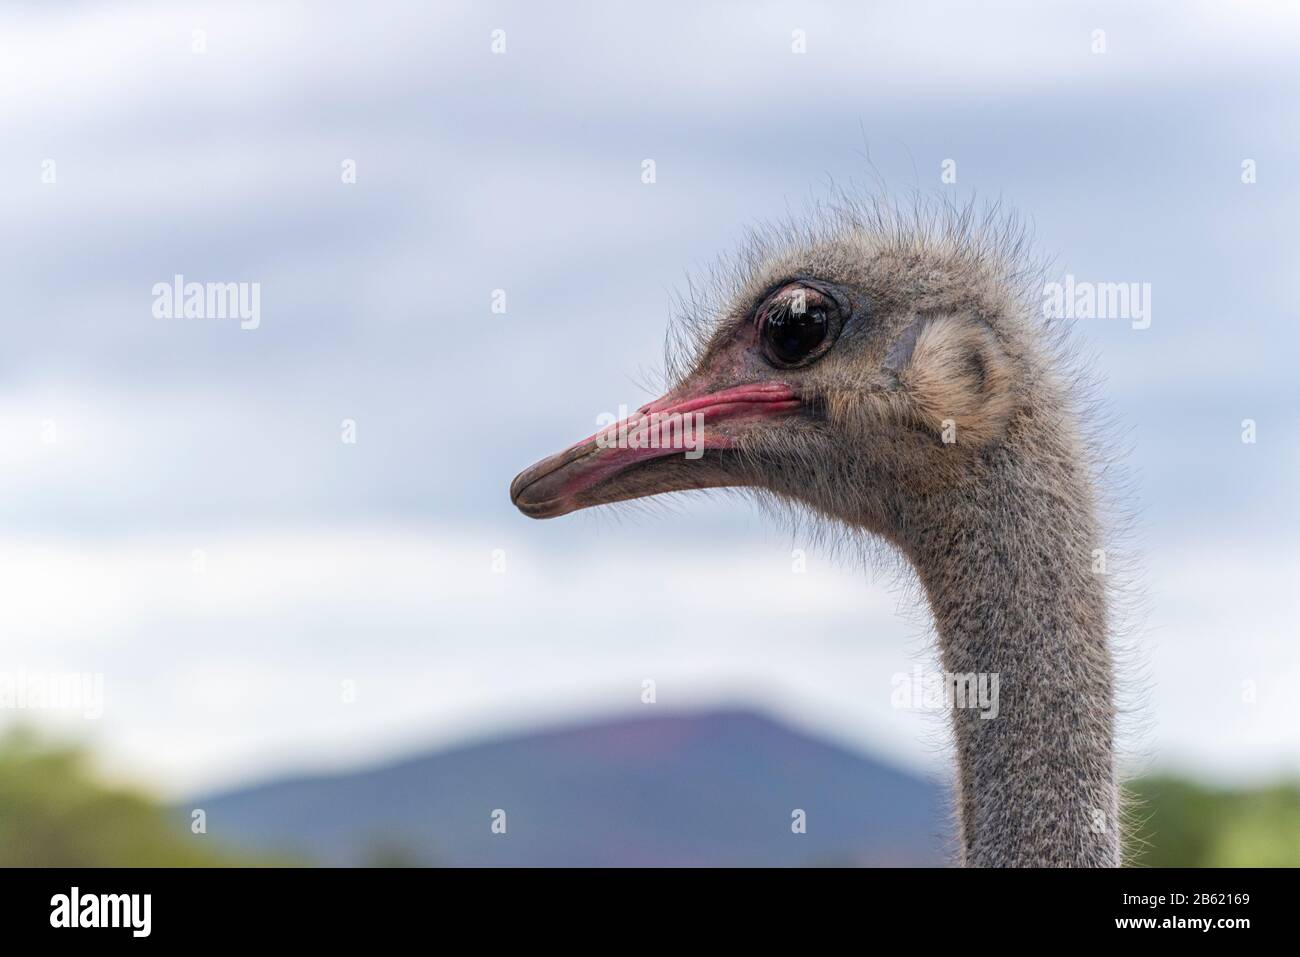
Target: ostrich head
857, 373
890, 376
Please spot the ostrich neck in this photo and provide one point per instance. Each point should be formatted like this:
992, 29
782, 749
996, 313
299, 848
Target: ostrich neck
1011, 575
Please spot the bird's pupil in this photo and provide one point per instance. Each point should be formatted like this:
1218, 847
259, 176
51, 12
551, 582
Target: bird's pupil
793, 336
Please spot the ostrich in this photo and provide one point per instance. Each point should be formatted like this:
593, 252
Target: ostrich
887, 372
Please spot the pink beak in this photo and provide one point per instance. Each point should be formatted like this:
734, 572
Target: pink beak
683, 426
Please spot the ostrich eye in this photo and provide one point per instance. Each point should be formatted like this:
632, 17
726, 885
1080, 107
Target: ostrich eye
798, 323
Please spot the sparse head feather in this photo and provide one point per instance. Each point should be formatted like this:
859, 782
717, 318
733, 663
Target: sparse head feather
931, 253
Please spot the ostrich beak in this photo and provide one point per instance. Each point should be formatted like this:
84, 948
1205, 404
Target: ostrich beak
659, 448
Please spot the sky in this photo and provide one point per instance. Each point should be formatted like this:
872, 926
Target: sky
180, 512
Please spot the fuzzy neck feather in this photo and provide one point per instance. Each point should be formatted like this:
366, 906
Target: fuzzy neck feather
1008, 564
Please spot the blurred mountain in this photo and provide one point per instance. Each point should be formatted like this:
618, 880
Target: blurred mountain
708, 789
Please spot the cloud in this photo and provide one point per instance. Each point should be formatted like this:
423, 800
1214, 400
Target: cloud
328, 562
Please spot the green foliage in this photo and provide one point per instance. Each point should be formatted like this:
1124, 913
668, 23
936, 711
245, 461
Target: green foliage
1182, 824
54, 812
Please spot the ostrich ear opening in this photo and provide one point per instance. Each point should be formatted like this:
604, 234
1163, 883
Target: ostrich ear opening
957, 377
